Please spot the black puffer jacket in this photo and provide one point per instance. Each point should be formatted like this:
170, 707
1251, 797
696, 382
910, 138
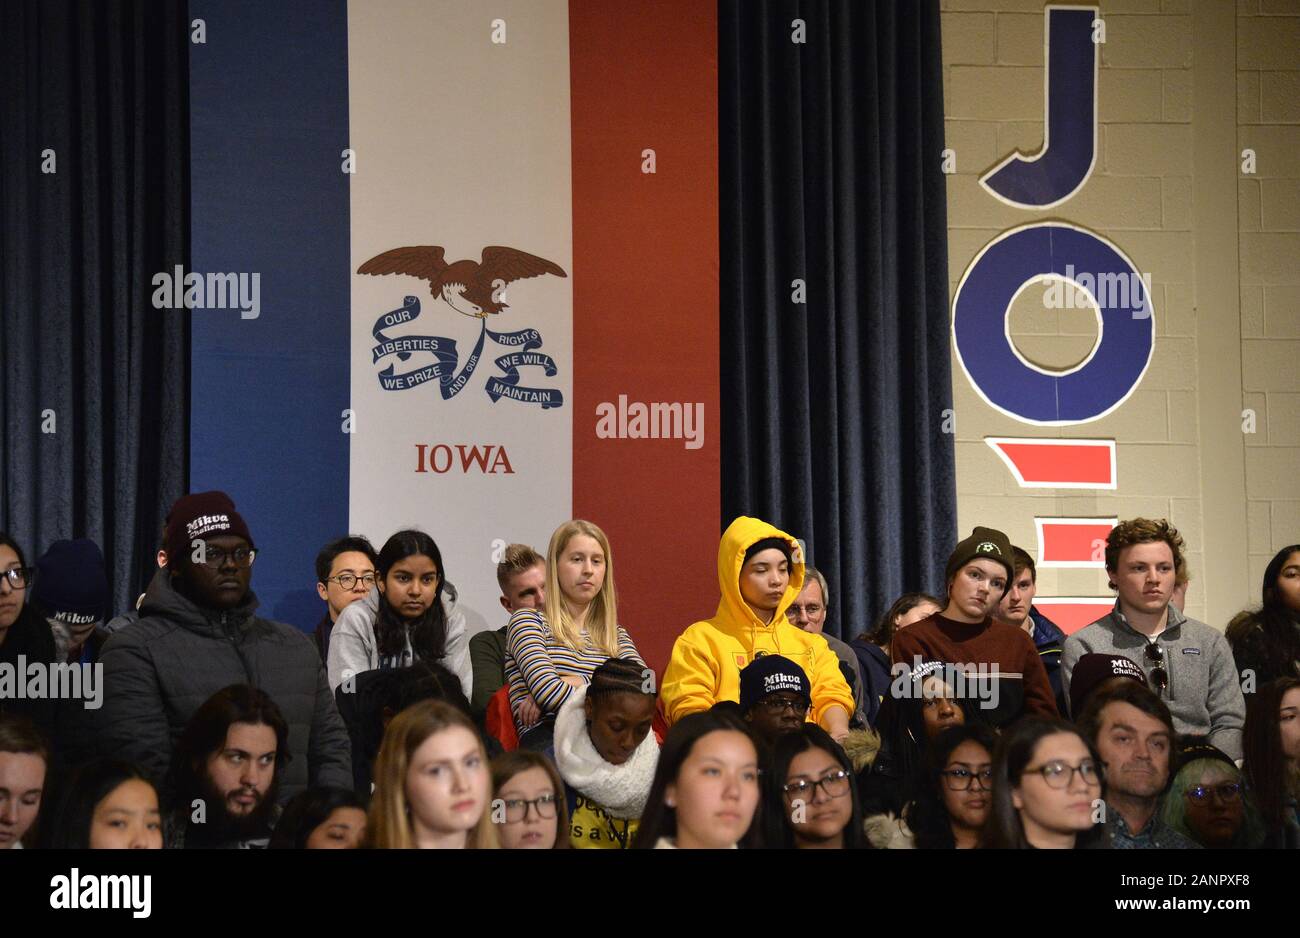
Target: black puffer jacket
159, 670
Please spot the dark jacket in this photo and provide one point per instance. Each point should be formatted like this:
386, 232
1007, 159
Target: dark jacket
31, 638
487, 655
160, 670
322, 636
1050, 640
874, 662
1251, 651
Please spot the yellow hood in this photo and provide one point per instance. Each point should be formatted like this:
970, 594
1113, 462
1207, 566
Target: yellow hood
734, 614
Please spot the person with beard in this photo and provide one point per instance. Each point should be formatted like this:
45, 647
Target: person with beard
198, 633
606, 753
226, 772
1133, 732
774, 697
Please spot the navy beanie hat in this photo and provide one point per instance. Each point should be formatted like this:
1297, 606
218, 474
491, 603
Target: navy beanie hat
71, 582
769, 674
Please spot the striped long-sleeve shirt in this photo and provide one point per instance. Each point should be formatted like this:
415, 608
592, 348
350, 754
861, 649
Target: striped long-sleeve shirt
536, 659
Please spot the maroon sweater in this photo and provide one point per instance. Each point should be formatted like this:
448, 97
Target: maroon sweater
990, 643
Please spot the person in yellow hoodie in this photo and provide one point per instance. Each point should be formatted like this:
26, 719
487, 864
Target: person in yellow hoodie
760, 572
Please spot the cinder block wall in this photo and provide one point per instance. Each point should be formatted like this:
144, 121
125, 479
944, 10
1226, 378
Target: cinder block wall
1142, 197
1268, 212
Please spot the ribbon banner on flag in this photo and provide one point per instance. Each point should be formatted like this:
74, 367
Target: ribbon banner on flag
448, 359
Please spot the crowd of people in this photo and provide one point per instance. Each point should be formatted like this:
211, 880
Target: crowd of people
955, 721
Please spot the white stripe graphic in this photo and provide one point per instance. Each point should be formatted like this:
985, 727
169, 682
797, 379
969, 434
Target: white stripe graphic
461, 142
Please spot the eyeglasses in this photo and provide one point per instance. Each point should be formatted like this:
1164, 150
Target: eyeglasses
810, 609
349, 580
1059, 774
19, 577
962, 779
215, 558
778, 705
1227, 793
517, 808
1154, 654
835, 784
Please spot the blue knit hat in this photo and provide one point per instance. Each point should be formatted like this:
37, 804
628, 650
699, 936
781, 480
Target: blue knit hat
71, 583
770, 674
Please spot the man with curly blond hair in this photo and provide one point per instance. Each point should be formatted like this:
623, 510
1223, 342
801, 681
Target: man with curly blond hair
1188, 663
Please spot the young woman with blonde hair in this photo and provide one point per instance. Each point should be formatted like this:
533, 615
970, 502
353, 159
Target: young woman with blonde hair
433, 783
553, 650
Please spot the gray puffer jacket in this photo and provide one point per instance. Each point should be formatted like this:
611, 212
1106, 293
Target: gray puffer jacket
161, 669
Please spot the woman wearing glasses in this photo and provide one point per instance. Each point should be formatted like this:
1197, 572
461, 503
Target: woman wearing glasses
1209, 801
950, 810
1046, 788
812, 802
22, 629
528, 805
915, 712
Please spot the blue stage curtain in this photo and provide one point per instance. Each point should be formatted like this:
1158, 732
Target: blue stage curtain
83, 353
833, 411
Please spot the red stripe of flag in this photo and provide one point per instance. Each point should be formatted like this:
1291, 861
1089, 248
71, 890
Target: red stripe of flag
644, 75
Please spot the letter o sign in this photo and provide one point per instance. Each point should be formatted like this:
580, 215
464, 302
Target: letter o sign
982, 337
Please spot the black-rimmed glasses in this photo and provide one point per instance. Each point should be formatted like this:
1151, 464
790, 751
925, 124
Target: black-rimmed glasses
778, 705
1058, 774
1227, 793
349, 580
517, 808
19, 577
835, 784
215, 557
962, 779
